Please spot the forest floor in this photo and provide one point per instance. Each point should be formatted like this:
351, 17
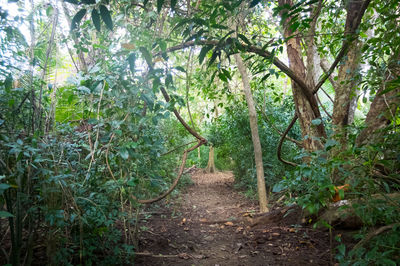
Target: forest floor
207, 225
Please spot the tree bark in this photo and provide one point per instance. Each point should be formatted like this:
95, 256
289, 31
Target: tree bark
211, 163
347, 79
306, 107
262, 193
383, 107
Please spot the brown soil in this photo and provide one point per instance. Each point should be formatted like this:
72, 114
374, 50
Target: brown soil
206, 225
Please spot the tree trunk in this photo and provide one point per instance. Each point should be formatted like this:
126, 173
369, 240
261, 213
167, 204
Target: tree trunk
211, 164
347, 79
307, 110
383, 107
262, 193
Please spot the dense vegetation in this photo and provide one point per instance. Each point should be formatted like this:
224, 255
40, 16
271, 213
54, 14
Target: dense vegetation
102, 101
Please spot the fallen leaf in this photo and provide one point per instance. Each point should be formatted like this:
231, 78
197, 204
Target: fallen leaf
292, 230
203, 220
222, 226
128, 46
239, 229
229, 223
275, 234
186, 229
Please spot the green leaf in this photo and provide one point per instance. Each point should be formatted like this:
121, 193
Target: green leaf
181, 69
105, 15
75, 2
4, 186
254, 3
124, 153
8, 83
316, 122
168, 80
241, 36
147, 56
89, 2
204, 52
160, 3
222, 77
173, 4
131, 61
213, 58
96, 19
226, 73
76, 20
278, 187
4, 214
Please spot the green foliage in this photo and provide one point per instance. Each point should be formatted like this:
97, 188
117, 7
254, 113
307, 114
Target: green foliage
232, 138
374, 197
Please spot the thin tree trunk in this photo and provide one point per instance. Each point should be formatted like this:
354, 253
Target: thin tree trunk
262, 193
211, 162
48, 52
31, 67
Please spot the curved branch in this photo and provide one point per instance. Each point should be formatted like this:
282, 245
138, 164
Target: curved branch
279, 150
249, 48
176, 148
178, 116
297, 142
374, 233
175, 183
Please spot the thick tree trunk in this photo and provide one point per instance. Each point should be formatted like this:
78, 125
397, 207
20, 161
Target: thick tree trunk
347, 79
262, 193
383, 107
306, 109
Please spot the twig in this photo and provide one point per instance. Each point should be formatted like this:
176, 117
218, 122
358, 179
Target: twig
96, 143
297, 142
374, 233
180, 146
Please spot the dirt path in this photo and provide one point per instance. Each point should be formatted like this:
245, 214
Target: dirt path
206, 226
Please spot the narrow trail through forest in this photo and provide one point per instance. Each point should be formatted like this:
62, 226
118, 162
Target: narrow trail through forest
207, 225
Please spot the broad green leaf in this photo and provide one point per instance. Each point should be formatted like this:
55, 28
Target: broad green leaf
179, 68
222, 77
160, 3
4, 214
254, 3
204, 52
316, 122
213, 58
173, 4
8, 83
4, 186
76, 20
241, 36
105, 15
168, 80
147, 56
131, 61
96, 19
124, 153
